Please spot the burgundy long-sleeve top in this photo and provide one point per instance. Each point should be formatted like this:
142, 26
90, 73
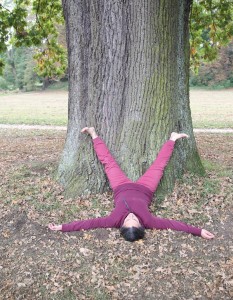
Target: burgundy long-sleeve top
131, 198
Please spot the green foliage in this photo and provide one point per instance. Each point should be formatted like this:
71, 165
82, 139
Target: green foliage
211, 26
34, 23
52, 60
19, 70
217, 74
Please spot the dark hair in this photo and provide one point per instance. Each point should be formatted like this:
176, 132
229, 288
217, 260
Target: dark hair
132, 234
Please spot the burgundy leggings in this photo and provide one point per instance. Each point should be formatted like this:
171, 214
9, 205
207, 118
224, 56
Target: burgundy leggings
116, 176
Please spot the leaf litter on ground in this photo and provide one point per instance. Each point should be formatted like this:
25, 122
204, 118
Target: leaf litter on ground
36, 263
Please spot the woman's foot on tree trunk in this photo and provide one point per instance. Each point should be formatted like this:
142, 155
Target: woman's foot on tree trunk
91, 131
175, 136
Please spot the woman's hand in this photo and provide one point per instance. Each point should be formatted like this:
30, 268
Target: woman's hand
206, 234
55, 227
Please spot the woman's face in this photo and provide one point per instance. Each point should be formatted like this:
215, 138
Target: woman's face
131, 221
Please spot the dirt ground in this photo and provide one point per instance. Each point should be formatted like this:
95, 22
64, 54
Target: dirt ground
36, 263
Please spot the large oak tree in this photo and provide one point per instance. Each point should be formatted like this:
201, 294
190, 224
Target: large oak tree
128, 77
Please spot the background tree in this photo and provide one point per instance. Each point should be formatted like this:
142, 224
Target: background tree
217, 74
19, 70
30, 78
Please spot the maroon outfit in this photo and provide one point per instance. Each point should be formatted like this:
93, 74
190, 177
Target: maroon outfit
132, 197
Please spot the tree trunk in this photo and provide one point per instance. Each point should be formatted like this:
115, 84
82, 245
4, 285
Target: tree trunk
45, 83
128, 77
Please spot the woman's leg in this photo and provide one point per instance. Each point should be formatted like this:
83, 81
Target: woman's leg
152, 176
114, 173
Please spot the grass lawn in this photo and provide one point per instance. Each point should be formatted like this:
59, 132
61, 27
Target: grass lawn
42, 108
210, 109
36, 263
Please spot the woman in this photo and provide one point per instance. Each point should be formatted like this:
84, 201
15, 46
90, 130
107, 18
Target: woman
132, 199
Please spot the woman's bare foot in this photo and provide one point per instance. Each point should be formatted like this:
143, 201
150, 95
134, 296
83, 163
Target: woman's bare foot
91, 131
175, 136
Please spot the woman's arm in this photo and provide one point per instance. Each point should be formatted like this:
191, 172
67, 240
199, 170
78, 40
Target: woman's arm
160, 223
109, 221
104, 222
83, 225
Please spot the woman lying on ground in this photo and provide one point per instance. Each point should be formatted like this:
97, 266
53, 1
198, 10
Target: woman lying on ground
132, 199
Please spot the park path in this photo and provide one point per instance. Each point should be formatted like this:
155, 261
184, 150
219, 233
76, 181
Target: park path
49, 127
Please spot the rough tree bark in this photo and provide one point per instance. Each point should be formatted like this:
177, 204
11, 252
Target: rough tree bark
128, 77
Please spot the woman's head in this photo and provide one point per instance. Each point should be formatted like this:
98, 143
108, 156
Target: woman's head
131, 229
132, 234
